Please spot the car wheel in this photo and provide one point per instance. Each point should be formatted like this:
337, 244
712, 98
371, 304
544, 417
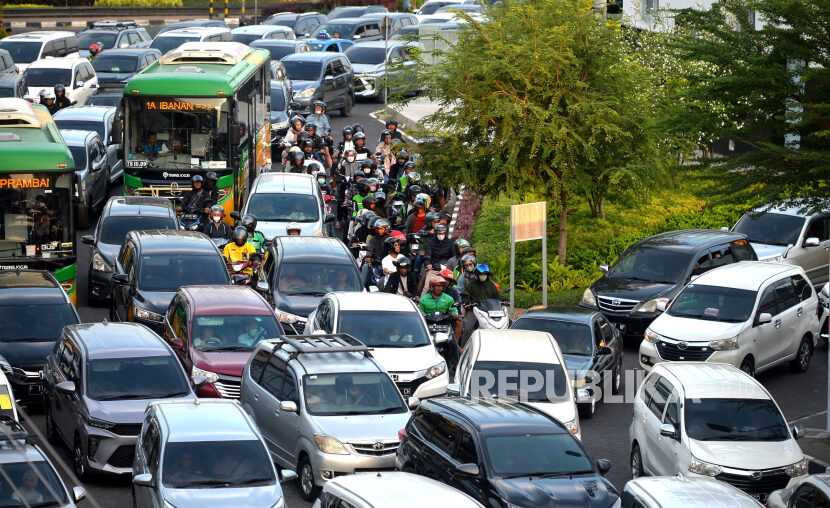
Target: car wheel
346, 110
636, 462
587, 409
91, 299
801, 362
308, 490
748, 367
51, 431
78, 461
616, 376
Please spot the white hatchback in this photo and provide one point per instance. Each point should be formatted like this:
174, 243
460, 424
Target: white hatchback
711, 420
754, 315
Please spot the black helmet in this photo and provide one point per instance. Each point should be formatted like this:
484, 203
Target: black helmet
60, 88
409, 164
302, 135
359, 173
431, 216
380, 197
391, 121
196, 178
240, 233
318, 103
310, 126
402, 155
348, 131
390, 242
369, 163
414, 190
322, 172
369, 200
384, 133
217, 209
363, 186
402, 262
366, 217
307, 143
372, 222
248, 222
296, 158
441, 228
396, 141
210, 176
359, 135
357, 128
295, 119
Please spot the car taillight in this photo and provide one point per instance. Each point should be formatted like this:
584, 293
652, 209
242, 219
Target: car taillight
402, 435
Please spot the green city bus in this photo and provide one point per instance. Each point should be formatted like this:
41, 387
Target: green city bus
201, 107
37, 190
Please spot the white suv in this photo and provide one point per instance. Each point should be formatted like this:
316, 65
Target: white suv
712, 420
753, 315
76, 74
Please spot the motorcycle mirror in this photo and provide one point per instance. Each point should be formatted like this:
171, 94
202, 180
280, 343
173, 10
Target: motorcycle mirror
235, 215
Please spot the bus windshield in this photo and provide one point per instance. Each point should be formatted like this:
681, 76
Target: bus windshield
165, 132
35, 216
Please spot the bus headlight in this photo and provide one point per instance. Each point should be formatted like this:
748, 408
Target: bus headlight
99, 265
308, 92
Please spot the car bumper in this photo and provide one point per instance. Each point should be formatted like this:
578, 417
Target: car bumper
764, 494
649, 356
328, 466
629, 324
365, 87
100, 284
28, 389
112, 453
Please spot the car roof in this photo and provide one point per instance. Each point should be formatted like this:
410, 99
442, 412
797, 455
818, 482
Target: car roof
349, 21
85, 112
225, 300
377, 44
132, 206
57, 63
751, 275
385, 488
11, 77
569, 313
279, 182
688, 240
260, 29
195, 23
275, 42
390, 14
194, 31
41, 35
204, 420
378, 302
23, 452
76, 137
514, 345
673, 491
117, 340
711, 380
313, 249
161, 241
497, 417
791, 207
20, 286
128, 51
316, 56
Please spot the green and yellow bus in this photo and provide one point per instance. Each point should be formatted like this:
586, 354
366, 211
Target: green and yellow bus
37, 194
204, 106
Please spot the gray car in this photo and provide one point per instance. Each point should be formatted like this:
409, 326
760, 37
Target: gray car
324, 406
277, 199
104, 121
377, 69
99, 380
185, 447
320, 75
813, 490
91, 172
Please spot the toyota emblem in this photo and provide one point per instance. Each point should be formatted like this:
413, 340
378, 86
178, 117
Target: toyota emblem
755, 475
378, 445
681, 346
615, 302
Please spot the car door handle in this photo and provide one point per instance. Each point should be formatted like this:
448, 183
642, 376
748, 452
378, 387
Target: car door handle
800, 311
256, 396
778, 323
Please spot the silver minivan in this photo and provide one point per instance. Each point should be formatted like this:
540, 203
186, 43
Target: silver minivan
324, 406
280, 198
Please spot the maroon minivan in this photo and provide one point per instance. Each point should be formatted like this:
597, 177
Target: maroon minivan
215, 329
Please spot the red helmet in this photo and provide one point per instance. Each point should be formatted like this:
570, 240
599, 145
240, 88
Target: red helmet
437, 279
94, 48
399, 235
446, 273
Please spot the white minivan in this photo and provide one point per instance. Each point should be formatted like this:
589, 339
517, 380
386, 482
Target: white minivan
712, 420
754, 315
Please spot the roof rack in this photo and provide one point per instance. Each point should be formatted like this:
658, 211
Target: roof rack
11, 430
323, 343
111, 24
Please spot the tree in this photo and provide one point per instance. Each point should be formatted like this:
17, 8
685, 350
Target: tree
762, 70
540, 98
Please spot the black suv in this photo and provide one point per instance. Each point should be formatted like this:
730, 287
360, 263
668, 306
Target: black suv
650, 273
502, 454
33, 310
113, 34
319, 75
121, 215
152, 265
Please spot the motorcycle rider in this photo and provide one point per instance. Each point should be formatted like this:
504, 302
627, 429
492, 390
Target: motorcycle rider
397, 169
374, 250
403, 180
383, 149
61, 100
370, 203
416, 221
358, 128
436, 300
477, 290
216, 227
403, 281
94, 49
361, 232
468, 265
241, 250
210, 186
362, 186
392, 127
197, 198
297, 123
293, 229
457, 247
296, 159
255, 238
362, 153
438, 251
347, 143
48, 100
393, 246
309, 154
320, 118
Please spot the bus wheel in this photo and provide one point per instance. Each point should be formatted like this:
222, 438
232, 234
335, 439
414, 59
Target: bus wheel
346, 110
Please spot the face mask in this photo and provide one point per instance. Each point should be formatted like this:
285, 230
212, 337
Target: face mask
216, 218
321, 181
350, 159
469, 268
253, 333
440, 237
482, 277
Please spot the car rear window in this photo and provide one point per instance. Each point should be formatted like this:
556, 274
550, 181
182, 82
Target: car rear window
115, 229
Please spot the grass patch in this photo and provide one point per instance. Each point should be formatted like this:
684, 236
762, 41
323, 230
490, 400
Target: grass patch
527, 299
26, 6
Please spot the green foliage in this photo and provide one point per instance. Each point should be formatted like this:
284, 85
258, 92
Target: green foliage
3, 33
138, 3
23, 6
527, 299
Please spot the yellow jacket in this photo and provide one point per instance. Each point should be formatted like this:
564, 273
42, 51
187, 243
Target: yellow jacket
233, 253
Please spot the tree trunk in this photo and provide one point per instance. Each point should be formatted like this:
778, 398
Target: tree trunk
563, 228
602, 207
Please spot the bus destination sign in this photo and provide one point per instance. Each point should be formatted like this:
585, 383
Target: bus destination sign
176, 105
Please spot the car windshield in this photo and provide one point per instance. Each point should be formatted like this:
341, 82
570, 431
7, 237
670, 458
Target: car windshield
114, 229
573, 338
302, 71
352, 394
366, 55
31, 484
277, 52
432, 8
104, 100
80, 125
166, 43
537, 455
277, 99
39, 322
8, 91
734, 420
148, 377
771, 228
161, 272
47, 77
543, 382
105, 40
384, 329
281, 207
341, 29
114, 63
22, 52
233, 333
245, 38
714, 303
216, 464
317, 279
650, 265
79, 156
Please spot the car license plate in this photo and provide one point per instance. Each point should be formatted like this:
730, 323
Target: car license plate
495, 313
761, 497
35, 389
406, 391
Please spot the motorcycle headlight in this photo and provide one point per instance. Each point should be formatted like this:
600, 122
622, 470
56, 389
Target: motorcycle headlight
142, 313
588, 298
288, 318
328, 444
651, 336
651, 305
99, 265
572, 426
798, 469
211, 377
308, 92
724, 344
704, 468
436, 370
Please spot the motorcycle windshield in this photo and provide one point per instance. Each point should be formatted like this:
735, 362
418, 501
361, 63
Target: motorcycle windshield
491, 304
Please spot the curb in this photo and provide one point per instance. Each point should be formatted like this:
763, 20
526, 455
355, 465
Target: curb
82, 23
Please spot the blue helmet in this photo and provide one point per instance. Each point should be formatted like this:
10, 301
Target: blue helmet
482, 269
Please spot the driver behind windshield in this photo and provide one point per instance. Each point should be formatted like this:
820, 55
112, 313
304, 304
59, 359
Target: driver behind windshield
153, 146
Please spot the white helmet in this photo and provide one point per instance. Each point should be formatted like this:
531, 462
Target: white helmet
49, 95
293, 226
29, 98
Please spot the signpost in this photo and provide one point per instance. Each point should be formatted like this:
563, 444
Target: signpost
528, 222
386, 27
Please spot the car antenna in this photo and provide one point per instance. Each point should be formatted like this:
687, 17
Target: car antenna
105, 322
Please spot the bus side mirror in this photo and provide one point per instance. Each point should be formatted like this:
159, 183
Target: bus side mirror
234, 134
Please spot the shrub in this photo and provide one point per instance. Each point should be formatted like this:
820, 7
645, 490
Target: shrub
291, 7
138, 3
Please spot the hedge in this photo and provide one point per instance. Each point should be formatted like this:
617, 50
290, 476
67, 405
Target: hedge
138, 3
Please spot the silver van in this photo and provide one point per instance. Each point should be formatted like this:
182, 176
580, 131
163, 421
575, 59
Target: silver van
280, 198
324, 406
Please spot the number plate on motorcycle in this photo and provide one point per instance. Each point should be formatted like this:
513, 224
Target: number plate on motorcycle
495, 313
406, 391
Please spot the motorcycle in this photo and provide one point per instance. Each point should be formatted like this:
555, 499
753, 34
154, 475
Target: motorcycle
440, 326
492, 314
236, 270
191, 217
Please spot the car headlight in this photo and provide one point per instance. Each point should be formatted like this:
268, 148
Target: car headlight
288, 318
142, 313
211, 377
798, 469
101, 424
704, 468
99, 265
308, 92
572, 426
773, 259
651, 305
5, 366
651, 336
436, 370
724, 344
328, 444
588, 298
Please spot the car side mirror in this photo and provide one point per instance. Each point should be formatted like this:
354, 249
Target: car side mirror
96, 166
124, 45
413, 402
468, 469
66, 387
234, 135
198, 382
812, 242
294, 106
765, 317
289, 406
145, 480
799, 432
120, 279
453, 389
328, 78
79, 84
603, 465
603, 268
88, 239
176, 343
693, 278
78, 493
668, 430
661, 306
329, 218
441, 338
262, 286
604, 350
239, 278
287, 475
